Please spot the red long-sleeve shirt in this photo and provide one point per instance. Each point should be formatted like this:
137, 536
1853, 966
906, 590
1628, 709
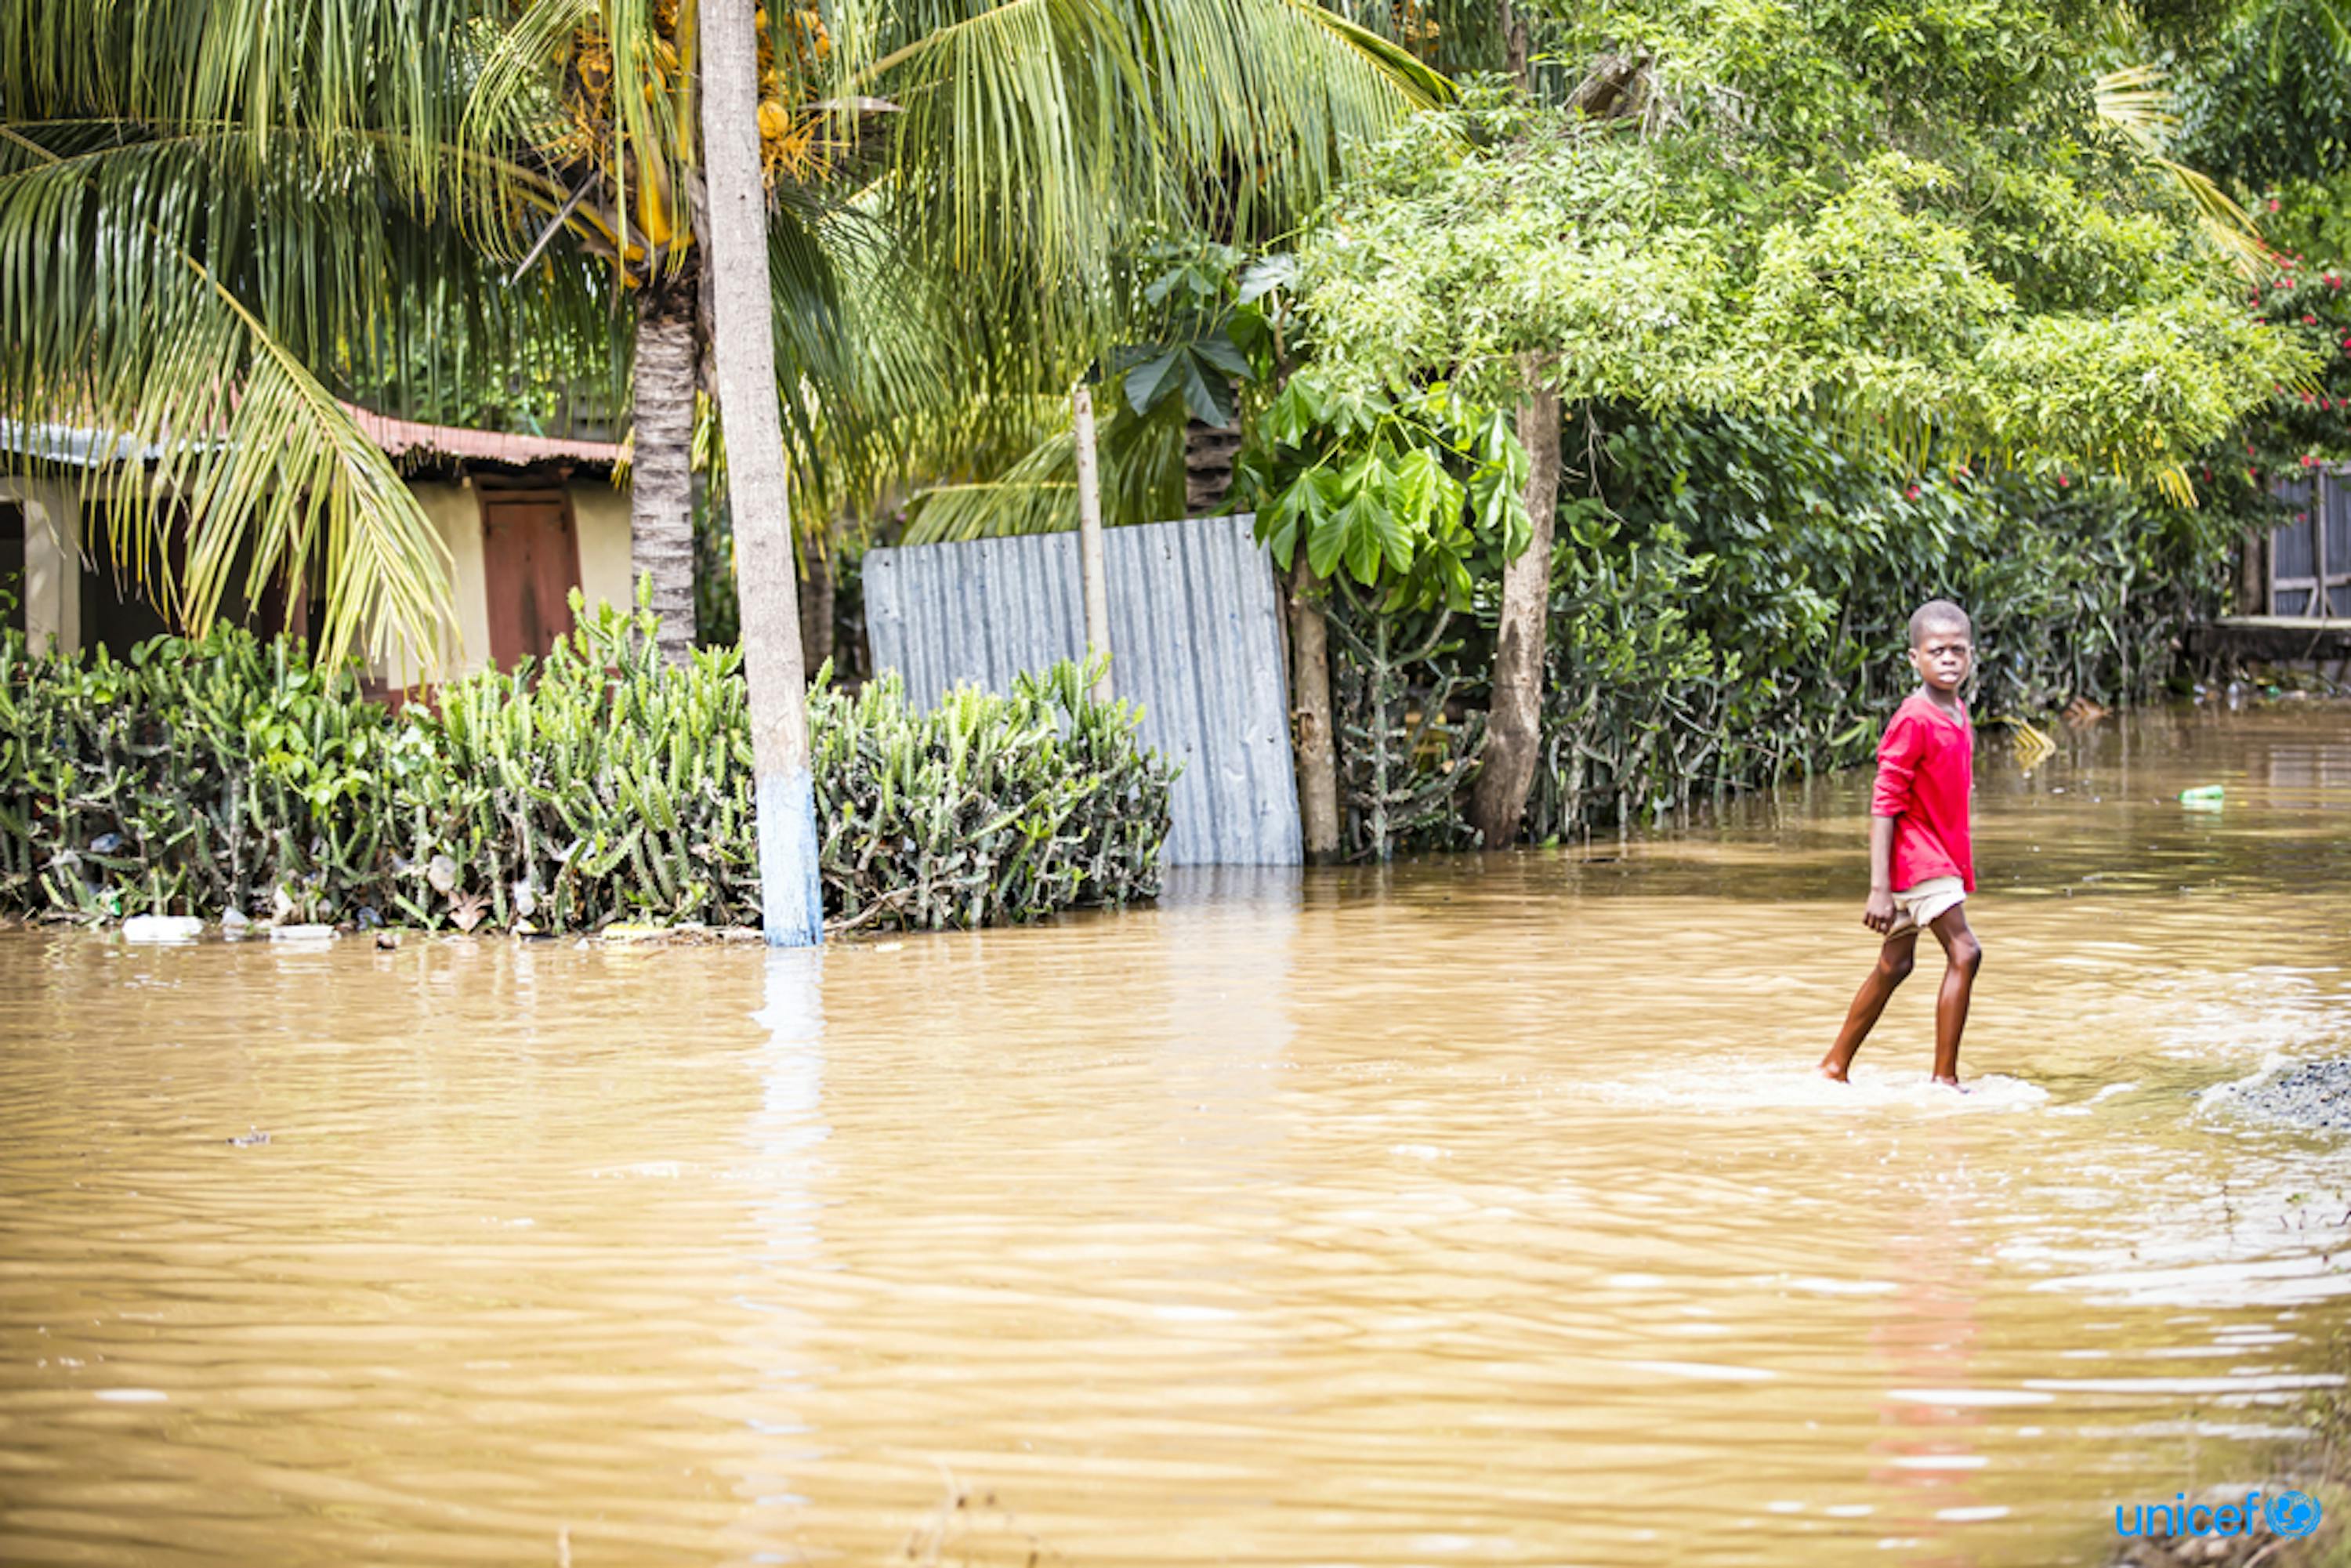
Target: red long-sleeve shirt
1925, 771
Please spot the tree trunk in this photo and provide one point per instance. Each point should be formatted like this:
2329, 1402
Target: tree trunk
742, 302
1514, 722
1309, 684
1093, 573
660, 487
816, 608
1515, 42
2254, 573
1208, 454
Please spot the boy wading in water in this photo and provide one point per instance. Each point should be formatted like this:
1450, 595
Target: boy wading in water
1921, 867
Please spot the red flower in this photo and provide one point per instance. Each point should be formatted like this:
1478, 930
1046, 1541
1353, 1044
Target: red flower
2274, 203
2309, 462
2063, 482
1912, 493
2310, 320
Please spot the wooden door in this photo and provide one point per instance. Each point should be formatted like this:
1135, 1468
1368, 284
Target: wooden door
530, 562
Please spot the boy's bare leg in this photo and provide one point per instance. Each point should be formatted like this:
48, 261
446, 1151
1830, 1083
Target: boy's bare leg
1894, 961
1965, 957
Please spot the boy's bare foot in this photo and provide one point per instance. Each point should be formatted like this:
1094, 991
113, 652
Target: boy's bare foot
1951, 1083
1833, 1073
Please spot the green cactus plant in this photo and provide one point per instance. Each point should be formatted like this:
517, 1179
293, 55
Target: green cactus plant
594, 786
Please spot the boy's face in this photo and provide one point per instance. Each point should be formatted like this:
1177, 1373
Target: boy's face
1942, 657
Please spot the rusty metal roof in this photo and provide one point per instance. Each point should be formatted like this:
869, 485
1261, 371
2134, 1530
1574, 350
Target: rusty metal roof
84, 448
409, 438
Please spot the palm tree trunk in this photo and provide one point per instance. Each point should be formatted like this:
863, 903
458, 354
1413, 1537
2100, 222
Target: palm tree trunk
1208, 454
1309, 684
742, 302
661, 489
816, 607
1514, 721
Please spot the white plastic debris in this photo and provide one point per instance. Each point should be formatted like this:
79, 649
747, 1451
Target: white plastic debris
163, 928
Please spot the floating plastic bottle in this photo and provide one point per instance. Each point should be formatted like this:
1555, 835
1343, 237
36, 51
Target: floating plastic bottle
2207, 796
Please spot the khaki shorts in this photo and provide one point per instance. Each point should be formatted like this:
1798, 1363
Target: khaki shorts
1916, 908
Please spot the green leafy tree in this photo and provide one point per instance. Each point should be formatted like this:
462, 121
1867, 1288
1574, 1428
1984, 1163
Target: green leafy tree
1907, 223
2264, 103
2265, 96
1396, 502
1410, 494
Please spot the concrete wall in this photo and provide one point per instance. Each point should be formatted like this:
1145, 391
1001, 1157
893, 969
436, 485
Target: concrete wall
52, 558
602, 514
456, 515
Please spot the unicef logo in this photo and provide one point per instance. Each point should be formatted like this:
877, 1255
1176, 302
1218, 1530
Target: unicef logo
2289, 1515
2292, 1513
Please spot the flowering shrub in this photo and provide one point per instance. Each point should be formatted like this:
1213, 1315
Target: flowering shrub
2309, 423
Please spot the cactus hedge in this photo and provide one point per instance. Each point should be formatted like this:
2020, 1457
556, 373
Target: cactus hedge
591, 786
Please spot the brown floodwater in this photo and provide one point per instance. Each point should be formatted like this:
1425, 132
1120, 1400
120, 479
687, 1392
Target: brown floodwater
1459, 1213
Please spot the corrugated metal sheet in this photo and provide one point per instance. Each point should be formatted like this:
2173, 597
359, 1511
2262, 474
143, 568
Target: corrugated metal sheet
407, 437
1196, 638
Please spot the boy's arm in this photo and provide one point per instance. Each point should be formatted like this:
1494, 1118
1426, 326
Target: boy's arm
1898, 755
1878, 913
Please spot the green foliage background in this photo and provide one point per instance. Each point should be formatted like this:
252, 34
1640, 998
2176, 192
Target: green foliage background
1728, 611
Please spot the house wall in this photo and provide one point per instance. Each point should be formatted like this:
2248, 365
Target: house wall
456, 512
52, 558
602, 514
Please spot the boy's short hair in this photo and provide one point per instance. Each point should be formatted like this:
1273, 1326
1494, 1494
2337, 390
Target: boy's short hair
1937, 612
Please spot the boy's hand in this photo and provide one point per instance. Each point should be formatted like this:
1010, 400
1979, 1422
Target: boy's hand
1878, 913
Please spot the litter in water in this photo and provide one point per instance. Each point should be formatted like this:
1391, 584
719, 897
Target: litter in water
163, 928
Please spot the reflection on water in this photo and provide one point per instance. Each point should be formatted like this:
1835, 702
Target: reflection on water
1434, 1214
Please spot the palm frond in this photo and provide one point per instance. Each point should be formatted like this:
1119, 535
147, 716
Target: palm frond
2135, 102
258, 462
1038, 138
1141, 461
190, 258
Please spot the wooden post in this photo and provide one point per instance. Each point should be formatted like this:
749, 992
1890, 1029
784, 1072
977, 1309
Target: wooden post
1093, 576
1317, 757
